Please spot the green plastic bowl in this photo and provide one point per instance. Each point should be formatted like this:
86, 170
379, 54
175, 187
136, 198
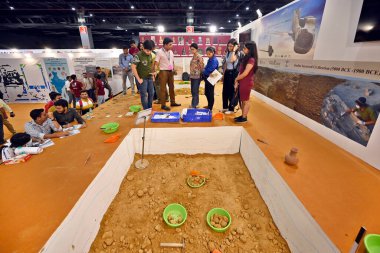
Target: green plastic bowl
195, 186
135, 108
219, 211
110, 127
175, 210
372, 243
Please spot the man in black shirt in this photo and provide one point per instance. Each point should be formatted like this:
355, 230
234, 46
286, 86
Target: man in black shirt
65, 115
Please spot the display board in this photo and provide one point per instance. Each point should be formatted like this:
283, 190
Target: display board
23, 80
182, 41
57, 70
291, 32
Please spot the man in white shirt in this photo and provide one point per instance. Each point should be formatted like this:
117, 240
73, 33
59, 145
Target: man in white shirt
89, 85
71, 98
165, 60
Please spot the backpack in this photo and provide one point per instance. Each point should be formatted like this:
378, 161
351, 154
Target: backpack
185, 76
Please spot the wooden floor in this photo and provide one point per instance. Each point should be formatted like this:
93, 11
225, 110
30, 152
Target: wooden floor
340, 191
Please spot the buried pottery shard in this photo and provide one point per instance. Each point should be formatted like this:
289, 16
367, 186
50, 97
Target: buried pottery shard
291, 158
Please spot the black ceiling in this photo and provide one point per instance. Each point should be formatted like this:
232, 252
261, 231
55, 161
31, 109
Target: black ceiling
39, 24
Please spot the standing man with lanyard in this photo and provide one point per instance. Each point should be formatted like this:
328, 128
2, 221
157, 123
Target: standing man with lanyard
165, 60
125, 62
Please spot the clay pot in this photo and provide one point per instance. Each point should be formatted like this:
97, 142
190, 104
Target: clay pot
291, 158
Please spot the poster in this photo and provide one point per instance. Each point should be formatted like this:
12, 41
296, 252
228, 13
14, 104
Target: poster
325, 91
291, 32
57, 70
23, 81
105, 65
84, 65
181, 43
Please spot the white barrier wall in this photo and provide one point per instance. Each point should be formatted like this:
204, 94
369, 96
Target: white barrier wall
79, 229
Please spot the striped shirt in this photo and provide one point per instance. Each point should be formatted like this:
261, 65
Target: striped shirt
39, 131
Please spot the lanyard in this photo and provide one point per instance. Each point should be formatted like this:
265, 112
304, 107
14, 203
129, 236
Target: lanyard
168, 56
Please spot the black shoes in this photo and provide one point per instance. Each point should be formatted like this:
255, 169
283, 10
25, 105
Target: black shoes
175, 104
241, 120
164, 107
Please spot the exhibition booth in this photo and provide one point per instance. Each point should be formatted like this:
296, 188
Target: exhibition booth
312, 69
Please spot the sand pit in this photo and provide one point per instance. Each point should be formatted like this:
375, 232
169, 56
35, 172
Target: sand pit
134, 223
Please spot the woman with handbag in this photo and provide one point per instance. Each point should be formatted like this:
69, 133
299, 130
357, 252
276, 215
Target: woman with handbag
244, 81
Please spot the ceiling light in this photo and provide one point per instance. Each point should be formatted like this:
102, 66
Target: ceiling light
126, 30
161, 28
11, 7
114, 48
104, 20
239, 24
91, 15
190, 7
132, 7
47, 49
229, 21
212, 28
237, 15
81, 20
247, 8
368, 27
259, 13
72, 8
221, 28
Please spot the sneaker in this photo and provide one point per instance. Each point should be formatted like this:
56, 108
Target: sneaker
236, 118
229, 112
164, 107
175, 104
223, 110
157, 102
241, 120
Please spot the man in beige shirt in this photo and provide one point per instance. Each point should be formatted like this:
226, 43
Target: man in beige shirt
165, 61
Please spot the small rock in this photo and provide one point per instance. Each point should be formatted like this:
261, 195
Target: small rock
124, 225
145, 190
131, 193
249, 226
108, 234
246, 206
140, 193
246, 216
243, 239
270, 236
141, 251
130, 178
146, 243
158, 228
178, 230
108, 241
151, 236
233, 232
191, 241
122, 238
151, 191
240, 231
138, 231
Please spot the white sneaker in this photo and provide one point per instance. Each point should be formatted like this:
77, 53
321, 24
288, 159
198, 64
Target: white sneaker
229, 112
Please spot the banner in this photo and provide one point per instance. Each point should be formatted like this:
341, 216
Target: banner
57, 70
291, 32
84, 65
23, 81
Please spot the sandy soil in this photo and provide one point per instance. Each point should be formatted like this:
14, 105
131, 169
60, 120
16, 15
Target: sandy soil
187, 91
134, 222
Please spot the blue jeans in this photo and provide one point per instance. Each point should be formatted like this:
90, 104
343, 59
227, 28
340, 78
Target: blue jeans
146, 93
195, 92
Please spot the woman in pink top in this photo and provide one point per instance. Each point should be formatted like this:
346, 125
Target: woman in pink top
244, 81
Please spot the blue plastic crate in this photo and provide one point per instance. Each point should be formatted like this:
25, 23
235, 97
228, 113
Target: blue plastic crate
166, 117
197, 115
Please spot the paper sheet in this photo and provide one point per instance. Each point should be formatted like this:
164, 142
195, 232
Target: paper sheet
214, 77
